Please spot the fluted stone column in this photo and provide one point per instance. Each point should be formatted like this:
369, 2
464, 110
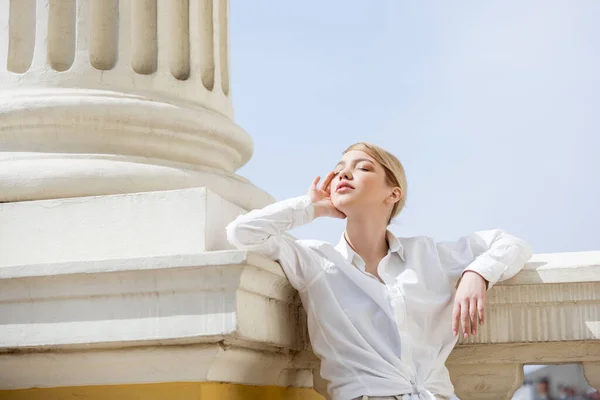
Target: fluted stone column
118, 96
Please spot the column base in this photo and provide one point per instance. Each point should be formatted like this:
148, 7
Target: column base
74, 142
93, 121
42, 176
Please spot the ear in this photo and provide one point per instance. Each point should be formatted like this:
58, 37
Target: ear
395, 195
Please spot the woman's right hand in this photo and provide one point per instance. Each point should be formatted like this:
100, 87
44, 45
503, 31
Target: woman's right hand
321, 198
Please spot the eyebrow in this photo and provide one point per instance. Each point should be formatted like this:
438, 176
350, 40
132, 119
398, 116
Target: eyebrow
354, 162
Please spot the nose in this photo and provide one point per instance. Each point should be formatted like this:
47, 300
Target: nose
344, 174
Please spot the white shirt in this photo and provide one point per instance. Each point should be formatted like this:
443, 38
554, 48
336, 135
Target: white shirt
378, 339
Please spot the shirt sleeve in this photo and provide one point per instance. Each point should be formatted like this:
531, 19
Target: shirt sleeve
263, 231
493, 254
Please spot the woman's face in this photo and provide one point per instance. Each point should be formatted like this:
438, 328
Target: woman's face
359, 182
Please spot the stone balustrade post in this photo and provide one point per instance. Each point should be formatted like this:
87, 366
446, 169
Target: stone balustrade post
490, 382
591, 371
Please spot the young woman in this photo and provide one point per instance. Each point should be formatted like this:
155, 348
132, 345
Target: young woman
384, 312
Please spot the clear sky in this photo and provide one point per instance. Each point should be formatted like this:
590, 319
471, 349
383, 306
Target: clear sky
493, 107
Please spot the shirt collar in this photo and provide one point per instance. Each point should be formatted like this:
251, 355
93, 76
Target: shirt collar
395, 246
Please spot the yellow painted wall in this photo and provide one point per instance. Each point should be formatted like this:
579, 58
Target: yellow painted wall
164, 391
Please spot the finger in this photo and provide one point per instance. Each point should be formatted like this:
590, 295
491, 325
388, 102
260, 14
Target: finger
455, 318
315, 182
481, 310
473, 315
464, 318
327, 181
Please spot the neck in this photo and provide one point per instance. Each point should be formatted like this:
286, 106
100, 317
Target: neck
367, 237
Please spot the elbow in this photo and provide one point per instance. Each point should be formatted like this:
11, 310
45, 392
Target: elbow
526, 250
511, 251
521, 254
241, 236
522, 248
234, 234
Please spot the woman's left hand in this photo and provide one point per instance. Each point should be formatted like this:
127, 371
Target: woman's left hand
469, 303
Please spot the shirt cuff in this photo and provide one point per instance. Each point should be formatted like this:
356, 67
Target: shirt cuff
304, 210
491, 270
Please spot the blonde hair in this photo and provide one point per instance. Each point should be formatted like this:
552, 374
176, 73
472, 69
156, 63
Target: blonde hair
394, 171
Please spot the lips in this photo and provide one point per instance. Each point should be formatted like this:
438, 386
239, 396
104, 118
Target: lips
343, 185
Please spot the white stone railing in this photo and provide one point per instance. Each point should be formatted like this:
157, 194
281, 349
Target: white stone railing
548, 314
232, 316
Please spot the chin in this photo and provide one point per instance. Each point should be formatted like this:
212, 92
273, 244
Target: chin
342, 203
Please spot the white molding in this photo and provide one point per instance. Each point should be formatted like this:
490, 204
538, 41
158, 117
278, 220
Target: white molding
110, 122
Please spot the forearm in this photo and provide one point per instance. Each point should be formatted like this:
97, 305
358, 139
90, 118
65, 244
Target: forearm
494, 255
255, 227
262, 231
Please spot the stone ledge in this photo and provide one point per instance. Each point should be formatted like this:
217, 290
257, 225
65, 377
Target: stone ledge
565, 352
559, 268
132, 264
230, 296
